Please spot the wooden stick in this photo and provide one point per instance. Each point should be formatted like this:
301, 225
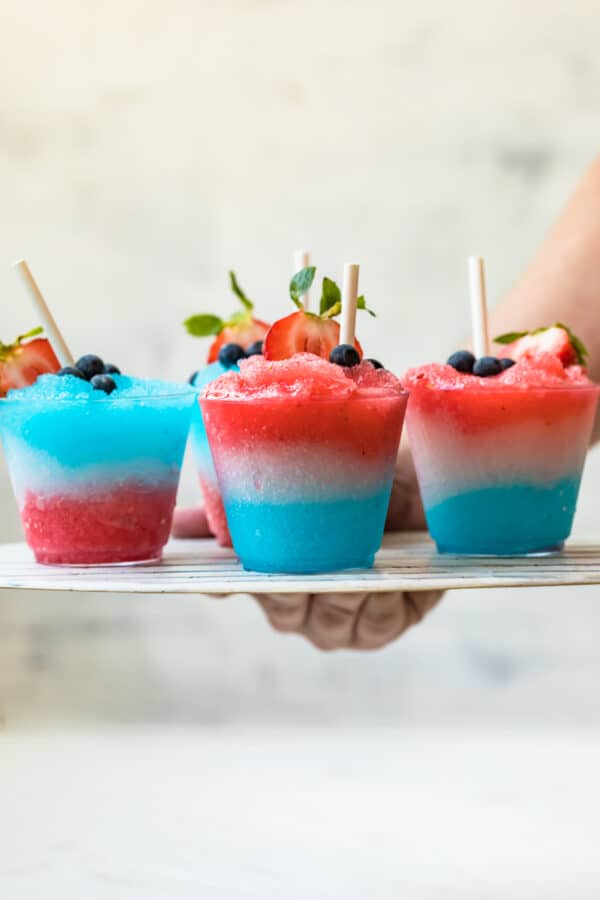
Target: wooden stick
479, 320
349, 298
59, 345
302, 261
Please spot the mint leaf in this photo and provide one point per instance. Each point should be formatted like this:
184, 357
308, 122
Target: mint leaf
239, 293
330, 296
204, 325
510, 336
581, 351
301, 283
360, 304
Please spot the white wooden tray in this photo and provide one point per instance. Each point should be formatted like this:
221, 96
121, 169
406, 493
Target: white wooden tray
405, 562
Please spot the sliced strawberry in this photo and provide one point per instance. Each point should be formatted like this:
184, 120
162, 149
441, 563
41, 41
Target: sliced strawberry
21, 363
302, 332
555, 340
244, 333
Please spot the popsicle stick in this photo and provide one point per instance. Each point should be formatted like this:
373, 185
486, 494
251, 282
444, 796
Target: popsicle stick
479, 321
302, 261
349, 298
59, 345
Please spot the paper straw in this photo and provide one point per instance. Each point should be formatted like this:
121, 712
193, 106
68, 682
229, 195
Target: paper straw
349, 298
302, 261
59, 345
479, 322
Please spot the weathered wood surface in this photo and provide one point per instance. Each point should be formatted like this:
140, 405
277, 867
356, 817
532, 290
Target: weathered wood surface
406, 562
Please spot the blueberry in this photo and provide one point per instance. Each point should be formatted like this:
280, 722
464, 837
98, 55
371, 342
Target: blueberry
344, 355
255, 349
230, 355
375, 363
90, 365
462, 361
487, 365
71, 370
506, 363
110, 369
193, 377
103, 383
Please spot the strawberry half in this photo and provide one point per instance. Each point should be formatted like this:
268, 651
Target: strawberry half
21, 363
302, 332
245, 333
558, 340
241, 328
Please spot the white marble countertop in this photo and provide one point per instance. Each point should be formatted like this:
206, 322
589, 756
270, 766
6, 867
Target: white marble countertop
324, 814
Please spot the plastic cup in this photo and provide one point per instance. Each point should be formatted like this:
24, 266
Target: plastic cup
499, 470
207, 476
305, 481
96, 481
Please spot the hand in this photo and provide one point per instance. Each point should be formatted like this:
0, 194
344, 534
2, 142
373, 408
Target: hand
347, 621
337, 621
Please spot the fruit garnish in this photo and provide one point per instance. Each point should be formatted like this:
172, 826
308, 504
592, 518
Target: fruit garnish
24, 360
240, 328
231, 354
557, 339
462, 361
344, 355
308, 332
486, 366
93, 369
103, 383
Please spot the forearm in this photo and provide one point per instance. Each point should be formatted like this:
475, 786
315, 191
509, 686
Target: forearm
562, 283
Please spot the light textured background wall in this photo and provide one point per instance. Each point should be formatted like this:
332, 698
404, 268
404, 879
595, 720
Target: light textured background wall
144, 149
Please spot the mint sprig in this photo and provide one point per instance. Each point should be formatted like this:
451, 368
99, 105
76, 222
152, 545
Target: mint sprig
208, 325
581, 351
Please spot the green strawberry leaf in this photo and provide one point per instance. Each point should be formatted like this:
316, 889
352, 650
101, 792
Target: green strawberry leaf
331, 296
33, 333
333, 311
204, 325
360, 304
510, 337
239, 293
301, 283
581, 351
7, 349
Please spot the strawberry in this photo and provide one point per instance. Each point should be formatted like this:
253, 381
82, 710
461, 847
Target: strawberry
21, 363
241, 328
306, 332
557, 339
243, 333
302, 332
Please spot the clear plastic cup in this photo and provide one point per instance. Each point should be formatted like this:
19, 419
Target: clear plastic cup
305, 481
207, 476
96, 480
499, 469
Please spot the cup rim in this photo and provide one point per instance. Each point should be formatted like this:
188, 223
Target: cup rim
84, 401
503, 390
286, 398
